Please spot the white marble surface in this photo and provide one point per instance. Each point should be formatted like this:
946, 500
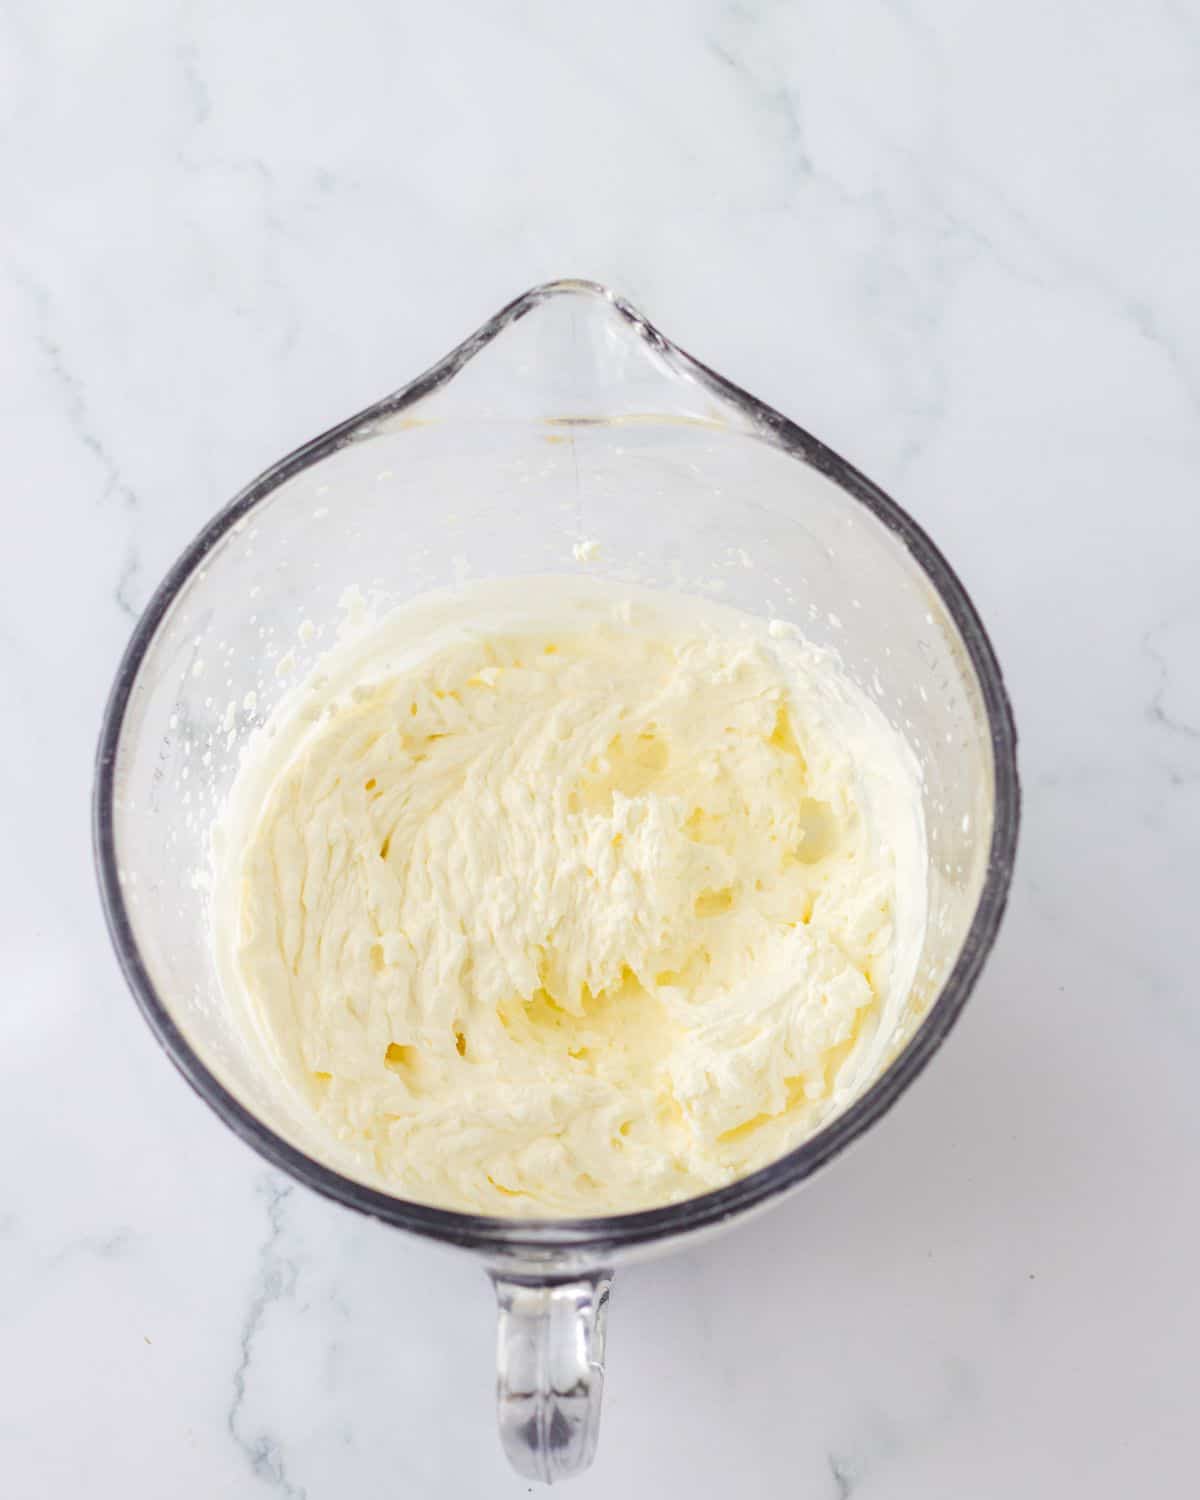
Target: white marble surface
957, 240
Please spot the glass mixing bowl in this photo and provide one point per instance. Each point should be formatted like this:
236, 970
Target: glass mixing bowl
566, 417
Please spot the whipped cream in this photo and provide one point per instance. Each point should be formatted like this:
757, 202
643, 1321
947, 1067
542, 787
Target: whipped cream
558, 897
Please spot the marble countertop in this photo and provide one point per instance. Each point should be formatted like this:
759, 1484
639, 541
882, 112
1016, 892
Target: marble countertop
956, 241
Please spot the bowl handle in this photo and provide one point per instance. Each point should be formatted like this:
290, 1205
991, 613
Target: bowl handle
550, 1371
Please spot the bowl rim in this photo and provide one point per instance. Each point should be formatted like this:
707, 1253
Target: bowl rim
594, 1238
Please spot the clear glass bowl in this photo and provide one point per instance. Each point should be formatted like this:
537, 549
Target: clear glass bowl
566, 417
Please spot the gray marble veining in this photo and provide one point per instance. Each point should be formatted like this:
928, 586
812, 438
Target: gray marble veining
957, 242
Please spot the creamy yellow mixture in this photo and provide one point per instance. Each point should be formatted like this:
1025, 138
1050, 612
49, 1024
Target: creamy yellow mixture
572, 899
